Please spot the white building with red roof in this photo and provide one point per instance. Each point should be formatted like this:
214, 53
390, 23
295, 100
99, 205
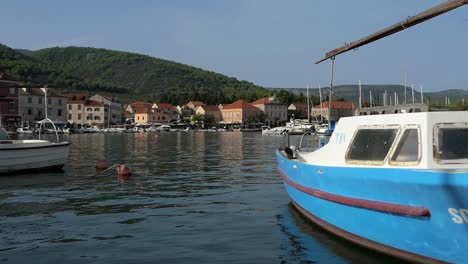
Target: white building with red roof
339, 109
275, 112
210, 111
239, 112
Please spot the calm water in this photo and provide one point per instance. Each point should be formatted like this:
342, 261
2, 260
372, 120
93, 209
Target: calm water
193, 198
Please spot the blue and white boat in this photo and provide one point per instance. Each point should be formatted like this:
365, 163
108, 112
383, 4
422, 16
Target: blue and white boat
395, 183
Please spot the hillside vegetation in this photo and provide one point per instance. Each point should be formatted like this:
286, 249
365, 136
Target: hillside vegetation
148, 77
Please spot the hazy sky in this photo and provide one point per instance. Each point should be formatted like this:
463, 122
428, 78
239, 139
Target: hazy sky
273, 43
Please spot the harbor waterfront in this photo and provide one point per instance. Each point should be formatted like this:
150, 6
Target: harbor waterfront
196, 197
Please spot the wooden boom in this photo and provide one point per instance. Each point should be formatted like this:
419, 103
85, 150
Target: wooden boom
409, 22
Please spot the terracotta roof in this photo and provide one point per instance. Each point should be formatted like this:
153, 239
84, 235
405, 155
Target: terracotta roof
300, 105
93, 103
197, 103
210, 108
264, 100
241, 104
338, 105
143, 110
141, 104
79, 97
165, 106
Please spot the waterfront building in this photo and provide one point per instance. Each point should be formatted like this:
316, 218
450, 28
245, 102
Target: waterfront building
94, 114
113, 109
275, 112
240, 112
184, 111
210, 111
76, 108
168, 111
144, 115
339, 109
299, 110
9, 112
32, 106
193, 105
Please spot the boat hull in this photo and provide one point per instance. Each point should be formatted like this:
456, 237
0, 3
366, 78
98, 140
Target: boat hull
416, 215
34, 155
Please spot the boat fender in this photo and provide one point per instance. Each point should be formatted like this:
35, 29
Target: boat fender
123, 171
101, 165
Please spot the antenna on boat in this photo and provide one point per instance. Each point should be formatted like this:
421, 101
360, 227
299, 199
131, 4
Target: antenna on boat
412, 91
370, 98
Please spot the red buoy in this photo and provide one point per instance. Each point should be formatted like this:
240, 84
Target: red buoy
101, 165
123, 171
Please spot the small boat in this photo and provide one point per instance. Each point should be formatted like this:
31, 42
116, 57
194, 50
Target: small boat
24, 130
20, 155
394, 183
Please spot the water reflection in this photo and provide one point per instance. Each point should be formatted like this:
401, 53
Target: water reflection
304, 242
192, 197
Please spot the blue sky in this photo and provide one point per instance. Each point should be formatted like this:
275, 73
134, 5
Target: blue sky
273, 43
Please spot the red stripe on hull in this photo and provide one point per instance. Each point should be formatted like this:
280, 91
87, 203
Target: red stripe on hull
361, 203
395, 252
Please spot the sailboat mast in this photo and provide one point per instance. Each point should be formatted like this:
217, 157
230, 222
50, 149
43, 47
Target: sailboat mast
422, 97
412, 91
321, 105
308, 105
45, 101
360, 95
406, 69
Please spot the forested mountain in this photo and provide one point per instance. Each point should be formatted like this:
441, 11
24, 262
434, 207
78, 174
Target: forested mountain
148, 77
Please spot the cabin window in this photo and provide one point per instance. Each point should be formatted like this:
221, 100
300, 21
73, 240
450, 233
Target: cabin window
407, 150
371, 145
450, 143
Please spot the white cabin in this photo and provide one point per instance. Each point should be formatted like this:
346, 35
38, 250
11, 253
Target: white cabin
427, 140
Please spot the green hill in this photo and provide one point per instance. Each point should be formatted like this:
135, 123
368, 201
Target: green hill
147, 77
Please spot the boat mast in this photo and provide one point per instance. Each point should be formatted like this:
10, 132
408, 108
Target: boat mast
321, 104
308, 106
332, 67
406, 69
360, 95
409, 22
412, 91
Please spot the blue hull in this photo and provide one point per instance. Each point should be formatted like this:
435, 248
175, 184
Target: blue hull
417, 215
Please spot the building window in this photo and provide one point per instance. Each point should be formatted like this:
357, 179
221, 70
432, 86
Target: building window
59, 101
30, 100
79, 116
97, 109
89, 117
69, 117
69, 107
12, 106
30, 111
39, 113
97, 118
79, 107
59, 112
12, 91
89, 109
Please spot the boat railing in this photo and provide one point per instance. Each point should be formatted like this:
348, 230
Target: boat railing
45, 120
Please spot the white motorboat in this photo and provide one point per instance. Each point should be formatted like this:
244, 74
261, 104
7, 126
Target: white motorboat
24, 130
19, 155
